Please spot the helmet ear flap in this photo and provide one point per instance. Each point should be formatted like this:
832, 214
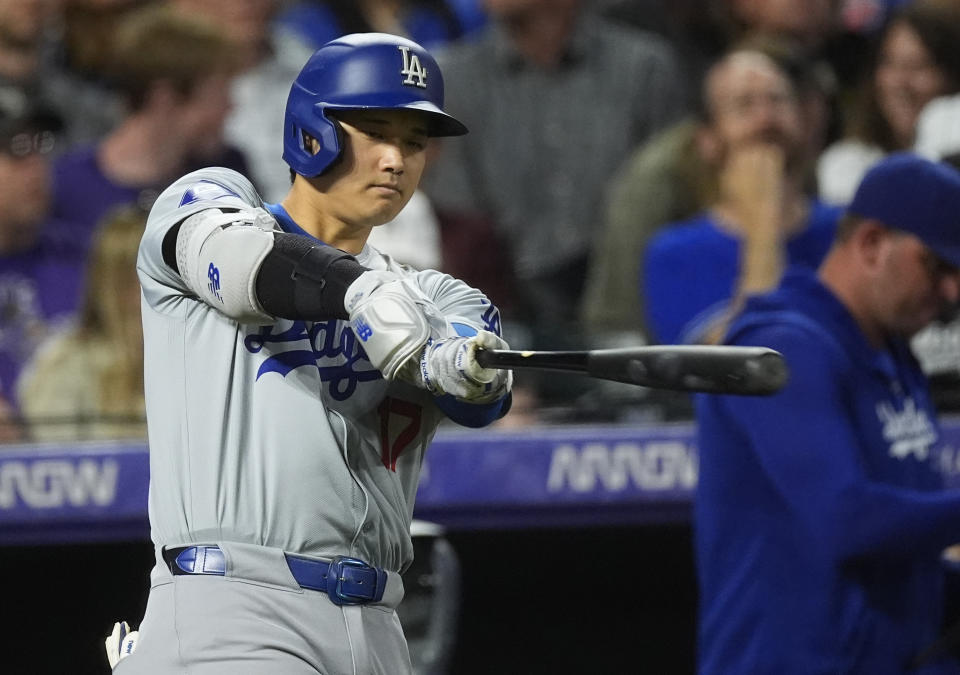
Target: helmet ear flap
312, 160
337, 150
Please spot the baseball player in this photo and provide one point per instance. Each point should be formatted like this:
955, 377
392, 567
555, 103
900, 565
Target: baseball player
294, 378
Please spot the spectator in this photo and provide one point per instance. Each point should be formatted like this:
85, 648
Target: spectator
175, 73
79, 66
820, 513
664, 181
22, 41
431, 23
38, 275
270, 60
917, 60
29, 45
704, 30
86, 382
697, 271
668, 180
544, 88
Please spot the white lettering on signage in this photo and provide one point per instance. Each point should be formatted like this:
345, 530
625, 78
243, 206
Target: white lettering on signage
655, 466
47, 484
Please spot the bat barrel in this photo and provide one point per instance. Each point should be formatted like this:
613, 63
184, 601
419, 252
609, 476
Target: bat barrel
751, 371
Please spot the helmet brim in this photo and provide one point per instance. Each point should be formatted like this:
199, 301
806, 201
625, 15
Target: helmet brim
439, 123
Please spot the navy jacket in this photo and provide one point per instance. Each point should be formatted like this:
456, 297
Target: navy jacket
819, 514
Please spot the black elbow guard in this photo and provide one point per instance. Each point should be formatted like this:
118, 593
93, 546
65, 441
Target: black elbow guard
302, 279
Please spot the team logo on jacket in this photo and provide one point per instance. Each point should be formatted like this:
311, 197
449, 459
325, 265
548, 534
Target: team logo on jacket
908, 431
333, 350
414, 71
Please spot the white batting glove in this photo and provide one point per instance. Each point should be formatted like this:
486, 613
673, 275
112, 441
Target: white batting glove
386, 319
449, 366
120, 643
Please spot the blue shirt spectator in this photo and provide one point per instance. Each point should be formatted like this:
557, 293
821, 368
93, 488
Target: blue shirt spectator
692, 268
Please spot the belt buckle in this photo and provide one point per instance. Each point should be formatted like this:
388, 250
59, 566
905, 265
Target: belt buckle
335, 581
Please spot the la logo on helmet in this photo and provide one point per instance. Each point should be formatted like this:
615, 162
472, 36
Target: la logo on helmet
415, 73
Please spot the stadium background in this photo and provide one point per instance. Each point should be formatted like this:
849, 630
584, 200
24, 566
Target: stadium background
573, 542
573, 547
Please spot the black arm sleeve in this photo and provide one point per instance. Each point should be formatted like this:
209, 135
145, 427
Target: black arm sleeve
301, 279
169, 247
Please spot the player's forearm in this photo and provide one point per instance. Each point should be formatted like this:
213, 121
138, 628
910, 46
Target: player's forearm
301, 279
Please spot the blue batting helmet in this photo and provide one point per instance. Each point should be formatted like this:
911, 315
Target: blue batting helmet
358, 72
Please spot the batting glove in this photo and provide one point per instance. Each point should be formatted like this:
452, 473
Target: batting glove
386, 319
120, 643
449, 366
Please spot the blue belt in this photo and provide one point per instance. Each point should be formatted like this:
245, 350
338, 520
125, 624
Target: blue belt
348, 581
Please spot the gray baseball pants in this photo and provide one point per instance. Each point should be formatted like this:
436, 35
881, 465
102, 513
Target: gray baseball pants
256, 620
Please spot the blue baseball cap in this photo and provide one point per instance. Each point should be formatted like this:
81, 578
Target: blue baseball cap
916, 195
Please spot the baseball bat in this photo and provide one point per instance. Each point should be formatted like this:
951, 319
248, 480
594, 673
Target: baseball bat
747, 371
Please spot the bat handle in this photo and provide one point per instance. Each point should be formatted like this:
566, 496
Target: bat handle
485, 358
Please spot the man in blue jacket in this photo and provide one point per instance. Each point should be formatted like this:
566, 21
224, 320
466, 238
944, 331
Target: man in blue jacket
820, 514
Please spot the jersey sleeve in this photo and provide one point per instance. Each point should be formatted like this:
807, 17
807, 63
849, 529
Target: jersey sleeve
463, 311
204, 189
811, 452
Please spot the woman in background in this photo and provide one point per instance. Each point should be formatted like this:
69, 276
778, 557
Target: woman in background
87, 381
917, 61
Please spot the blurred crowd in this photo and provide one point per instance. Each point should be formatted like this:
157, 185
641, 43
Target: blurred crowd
634, 168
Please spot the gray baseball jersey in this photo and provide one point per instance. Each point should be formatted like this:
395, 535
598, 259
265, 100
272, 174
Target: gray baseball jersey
280, 435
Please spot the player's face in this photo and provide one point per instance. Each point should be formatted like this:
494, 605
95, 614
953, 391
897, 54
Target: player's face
384, 152
753, 102
906, 79
913, 286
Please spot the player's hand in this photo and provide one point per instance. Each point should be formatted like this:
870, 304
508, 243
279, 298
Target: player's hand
386, 319
449, 366
120, 643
